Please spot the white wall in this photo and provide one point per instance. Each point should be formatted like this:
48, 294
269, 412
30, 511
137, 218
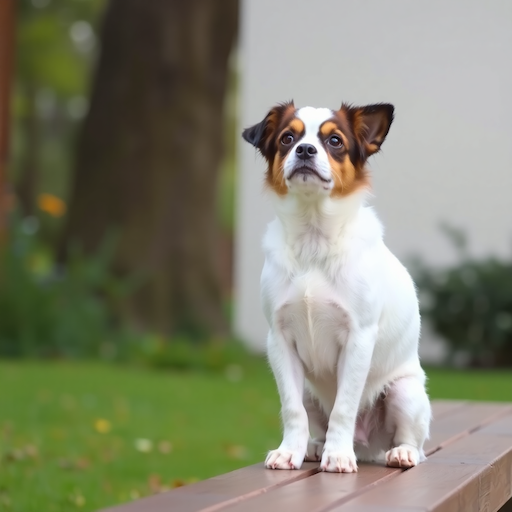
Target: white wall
447, 68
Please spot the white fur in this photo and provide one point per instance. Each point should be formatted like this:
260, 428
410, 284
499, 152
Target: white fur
312, 119
344, 328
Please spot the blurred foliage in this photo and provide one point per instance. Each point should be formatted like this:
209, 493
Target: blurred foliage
470, 305
51, 311
67, 312
185, 354
55, 50
55, 40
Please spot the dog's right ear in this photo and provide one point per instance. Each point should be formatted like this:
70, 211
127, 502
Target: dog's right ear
262, 135
254, 134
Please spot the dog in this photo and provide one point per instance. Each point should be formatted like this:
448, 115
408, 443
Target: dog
342, 310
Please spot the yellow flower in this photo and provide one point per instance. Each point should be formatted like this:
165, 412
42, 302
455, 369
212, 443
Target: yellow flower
102, 426
51, 204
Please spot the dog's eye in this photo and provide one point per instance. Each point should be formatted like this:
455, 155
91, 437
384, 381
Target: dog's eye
335, 141
287, 139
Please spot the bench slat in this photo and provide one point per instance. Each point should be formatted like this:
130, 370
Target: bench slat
214, 493
441, 408
501, 427
461, 422
472, 474
323, 490
256, 489
318, 492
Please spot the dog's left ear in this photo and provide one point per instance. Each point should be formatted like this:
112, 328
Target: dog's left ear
254, 134
262, 135
371, 125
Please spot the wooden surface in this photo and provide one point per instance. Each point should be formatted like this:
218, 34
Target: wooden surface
469, 468
6, 65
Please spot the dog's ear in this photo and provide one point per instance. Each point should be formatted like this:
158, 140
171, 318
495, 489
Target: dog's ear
254, 134
371, 125
262, 135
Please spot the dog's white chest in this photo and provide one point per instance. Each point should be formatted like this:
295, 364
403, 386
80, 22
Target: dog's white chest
313, 317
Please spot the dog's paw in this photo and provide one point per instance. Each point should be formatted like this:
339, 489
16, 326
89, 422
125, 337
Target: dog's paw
403, 456
314, 453
284, 459
339, 462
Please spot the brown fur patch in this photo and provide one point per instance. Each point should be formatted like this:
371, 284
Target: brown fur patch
347, 177
348, 173
282, 122
296, 126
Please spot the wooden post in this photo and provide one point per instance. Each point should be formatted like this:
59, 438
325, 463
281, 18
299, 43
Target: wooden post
6, 66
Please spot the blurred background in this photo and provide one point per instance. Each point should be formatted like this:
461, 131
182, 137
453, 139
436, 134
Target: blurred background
131, 215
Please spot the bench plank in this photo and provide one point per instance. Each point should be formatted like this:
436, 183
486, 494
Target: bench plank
318, 492
472, 474
321, 491
441, 408
214, 493
468, 459
502, 427
461, 422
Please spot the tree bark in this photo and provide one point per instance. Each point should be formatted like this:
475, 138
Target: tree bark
28, 180
149, 153
7, 19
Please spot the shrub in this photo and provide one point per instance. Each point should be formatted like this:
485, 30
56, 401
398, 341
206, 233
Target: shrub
470, 305
49, 311
182, 353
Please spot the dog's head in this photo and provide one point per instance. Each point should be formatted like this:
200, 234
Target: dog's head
318, 150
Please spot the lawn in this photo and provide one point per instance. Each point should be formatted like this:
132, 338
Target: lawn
83, 436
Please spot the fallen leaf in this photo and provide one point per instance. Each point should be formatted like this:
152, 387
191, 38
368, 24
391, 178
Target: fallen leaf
66, 464
15, 455
164, 447
79, 501
102, 426
82, 463
155, 483
4, 499
143, 445
78, 464
237, 452
77, 498
31, 451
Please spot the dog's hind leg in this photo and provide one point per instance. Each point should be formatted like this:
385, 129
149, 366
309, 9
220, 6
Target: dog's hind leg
318, 422
408, 416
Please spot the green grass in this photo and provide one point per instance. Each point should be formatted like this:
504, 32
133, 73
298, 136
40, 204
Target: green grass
70, 433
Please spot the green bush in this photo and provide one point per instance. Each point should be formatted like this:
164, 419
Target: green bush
182, 353
49, 311
470, 305
52, 311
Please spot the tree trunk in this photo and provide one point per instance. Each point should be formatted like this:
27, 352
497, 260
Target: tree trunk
7, 19
149, 153
27, 182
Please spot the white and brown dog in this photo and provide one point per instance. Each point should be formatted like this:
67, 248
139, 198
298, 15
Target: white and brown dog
343, 312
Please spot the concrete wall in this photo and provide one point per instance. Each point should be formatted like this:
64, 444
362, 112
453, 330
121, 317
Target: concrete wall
445, 65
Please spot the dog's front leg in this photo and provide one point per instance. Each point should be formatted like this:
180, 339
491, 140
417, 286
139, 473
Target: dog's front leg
352, 370
289, 375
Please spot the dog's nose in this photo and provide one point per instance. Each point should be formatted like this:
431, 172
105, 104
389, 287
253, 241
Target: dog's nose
305, 151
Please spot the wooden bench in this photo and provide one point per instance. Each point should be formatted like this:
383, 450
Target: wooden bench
469, 468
